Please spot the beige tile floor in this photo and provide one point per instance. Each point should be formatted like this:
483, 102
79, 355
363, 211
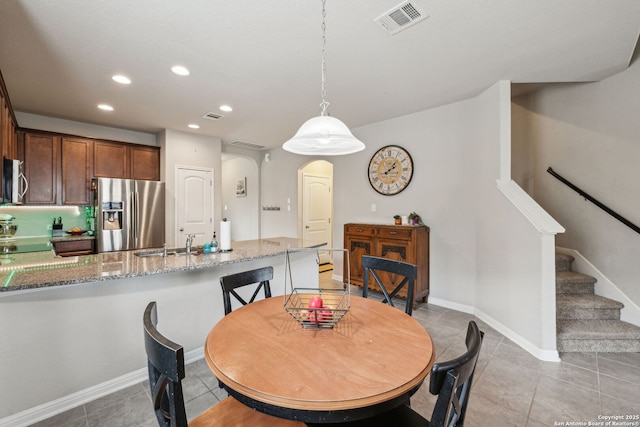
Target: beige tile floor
511, 388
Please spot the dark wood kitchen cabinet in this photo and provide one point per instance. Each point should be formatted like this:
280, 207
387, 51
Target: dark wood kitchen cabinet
8, 129
59, 167
110, 160
77, 161
41, 167
119, 160
407, 243
67, 248
145, 162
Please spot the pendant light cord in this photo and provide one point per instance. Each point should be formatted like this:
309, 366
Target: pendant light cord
323, 93
323, 135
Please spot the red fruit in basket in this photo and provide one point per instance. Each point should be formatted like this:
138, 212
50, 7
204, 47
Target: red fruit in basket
312, 316
324, 315
315, 302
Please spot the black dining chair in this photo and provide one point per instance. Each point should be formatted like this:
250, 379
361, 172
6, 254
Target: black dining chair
230, 283
387, 274
450, 381
166, 372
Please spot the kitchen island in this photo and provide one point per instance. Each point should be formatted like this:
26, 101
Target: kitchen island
36, 270
72, 327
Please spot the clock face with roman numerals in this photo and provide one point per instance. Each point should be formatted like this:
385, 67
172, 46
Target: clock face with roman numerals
390, 170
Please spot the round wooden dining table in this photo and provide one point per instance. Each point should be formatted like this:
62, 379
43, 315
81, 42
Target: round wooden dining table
371, 361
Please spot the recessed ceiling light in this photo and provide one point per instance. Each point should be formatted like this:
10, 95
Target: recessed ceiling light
119, 78
180, 70
226, 108
194, 126
105, 107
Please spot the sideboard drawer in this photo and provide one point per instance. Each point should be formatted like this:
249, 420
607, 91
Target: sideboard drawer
362, 230
390, 233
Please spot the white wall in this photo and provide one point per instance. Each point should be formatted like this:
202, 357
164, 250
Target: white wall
589, 133
243, 212
515, 290
438, 141
186, 149
279, 179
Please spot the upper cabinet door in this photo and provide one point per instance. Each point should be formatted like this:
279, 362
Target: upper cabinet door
145, 163
77, 156
41, 163
110, 160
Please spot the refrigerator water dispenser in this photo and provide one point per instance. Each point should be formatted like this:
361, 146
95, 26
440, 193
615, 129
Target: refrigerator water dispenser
112, 215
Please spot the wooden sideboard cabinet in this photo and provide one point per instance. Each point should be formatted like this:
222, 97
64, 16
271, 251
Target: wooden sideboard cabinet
407, 243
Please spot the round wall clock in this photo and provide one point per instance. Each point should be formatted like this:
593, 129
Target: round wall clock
390, 170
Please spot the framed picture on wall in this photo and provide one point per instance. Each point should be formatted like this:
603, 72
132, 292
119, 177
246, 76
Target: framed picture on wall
241, 187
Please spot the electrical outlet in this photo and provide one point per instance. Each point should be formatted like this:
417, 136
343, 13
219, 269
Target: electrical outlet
373, 207
49, 227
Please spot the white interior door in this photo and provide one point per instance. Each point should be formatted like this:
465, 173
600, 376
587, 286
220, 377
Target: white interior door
317, 211
194, 205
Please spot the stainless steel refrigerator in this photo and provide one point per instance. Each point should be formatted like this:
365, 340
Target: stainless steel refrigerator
129, 213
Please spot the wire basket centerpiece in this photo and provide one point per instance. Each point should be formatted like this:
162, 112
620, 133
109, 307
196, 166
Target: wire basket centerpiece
311, 304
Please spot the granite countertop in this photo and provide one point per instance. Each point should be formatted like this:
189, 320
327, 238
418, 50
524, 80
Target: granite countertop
36, 270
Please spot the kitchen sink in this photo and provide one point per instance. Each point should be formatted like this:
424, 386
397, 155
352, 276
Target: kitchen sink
158, 253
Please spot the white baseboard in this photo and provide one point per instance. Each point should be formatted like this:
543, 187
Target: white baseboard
545, 355
452, 305
65, 403
604, 287
537, 352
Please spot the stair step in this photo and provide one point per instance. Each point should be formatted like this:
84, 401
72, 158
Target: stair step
563, 262
597, 336
570, 282
587, 307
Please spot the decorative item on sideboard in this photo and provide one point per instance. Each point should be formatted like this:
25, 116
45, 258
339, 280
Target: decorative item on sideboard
414, 219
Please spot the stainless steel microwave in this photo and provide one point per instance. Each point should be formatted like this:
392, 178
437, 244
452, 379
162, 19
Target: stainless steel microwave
14, 183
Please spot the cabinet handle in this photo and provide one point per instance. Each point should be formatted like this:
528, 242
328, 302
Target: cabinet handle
393, 232
359, 230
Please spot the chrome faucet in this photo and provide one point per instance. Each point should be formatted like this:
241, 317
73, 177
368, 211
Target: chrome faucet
190, 238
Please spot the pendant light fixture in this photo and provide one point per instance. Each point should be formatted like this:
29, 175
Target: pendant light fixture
323, 135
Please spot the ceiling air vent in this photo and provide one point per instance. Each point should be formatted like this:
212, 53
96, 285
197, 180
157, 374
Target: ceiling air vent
212, 116
400, 17
248, 145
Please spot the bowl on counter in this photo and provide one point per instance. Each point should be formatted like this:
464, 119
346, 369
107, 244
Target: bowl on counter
76, 232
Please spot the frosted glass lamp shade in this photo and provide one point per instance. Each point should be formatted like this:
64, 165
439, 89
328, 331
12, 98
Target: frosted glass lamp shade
323, 136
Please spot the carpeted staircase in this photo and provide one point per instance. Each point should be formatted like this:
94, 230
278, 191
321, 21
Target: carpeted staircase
587, 322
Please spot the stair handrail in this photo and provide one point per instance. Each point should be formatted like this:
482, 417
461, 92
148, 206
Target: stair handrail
595, 201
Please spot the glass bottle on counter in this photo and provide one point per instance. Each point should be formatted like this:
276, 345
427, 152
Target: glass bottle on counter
214, 243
